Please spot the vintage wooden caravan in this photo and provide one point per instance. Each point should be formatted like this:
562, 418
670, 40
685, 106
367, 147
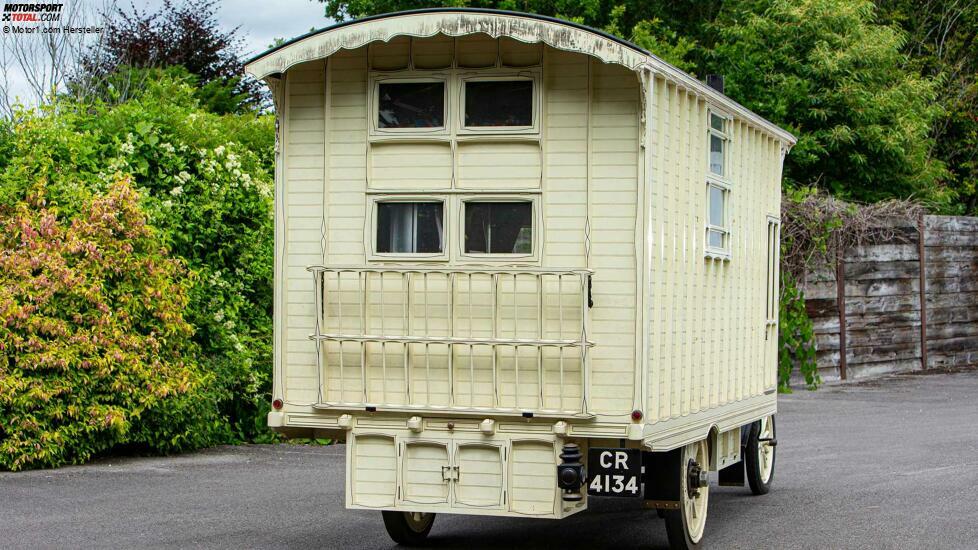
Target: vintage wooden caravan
521, 264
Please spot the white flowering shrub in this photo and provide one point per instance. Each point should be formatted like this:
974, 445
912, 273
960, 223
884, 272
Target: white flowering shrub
206, 183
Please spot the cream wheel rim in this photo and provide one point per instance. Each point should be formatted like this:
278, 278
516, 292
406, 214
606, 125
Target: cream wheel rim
694, 499
765, 452
418, 521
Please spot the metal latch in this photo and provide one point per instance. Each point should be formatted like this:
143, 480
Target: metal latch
449, 473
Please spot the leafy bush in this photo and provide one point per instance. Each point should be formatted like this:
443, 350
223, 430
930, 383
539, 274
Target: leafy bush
205, 182
94, 349
796, 338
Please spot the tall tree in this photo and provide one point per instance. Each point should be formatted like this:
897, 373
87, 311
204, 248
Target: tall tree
187, 35
826, 70
942, 40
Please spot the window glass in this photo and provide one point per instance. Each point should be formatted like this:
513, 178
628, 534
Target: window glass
716, 122
716, 206
409, 227
498, 227
716, 155
411, 105
499, 103
715, 238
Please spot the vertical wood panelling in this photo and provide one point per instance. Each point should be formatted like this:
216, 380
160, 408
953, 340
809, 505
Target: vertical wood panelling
708, 318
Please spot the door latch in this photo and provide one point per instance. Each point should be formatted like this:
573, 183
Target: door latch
449, 473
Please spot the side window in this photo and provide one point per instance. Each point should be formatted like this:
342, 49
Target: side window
718, 145
498, 227
716, 230
498, 103
410, 228
718, 187
410, 105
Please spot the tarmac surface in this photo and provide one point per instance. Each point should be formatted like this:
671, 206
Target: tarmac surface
891, 463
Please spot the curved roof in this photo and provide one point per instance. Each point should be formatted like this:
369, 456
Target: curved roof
525, 27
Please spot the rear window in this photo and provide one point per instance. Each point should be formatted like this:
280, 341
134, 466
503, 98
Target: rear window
498, 103
409, 228
411, 105
498, 227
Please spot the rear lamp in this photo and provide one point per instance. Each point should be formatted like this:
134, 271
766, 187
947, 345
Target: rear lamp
637, 415
277, 403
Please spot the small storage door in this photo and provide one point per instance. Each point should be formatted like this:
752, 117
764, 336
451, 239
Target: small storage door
773, 301
426, 471
479, 479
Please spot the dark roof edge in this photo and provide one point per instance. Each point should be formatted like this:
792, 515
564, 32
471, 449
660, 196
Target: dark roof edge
547, 18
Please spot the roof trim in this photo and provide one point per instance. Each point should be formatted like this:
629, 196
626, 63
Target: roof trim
525, 27
546, 18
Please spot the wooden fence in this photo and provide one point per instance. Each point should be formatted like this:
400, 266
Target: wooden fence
909, 303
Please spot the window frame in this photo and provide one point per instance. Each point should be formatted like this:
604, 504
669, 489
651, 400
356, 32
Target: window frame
535, 219
373, 219
721, 182
490, 75
412, 77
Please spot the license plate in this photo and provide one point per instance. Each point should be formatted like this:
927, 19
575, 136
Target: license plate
614, 472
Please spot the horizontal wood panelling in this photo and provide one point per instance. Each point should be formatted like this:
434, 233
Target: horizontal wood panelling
883, 302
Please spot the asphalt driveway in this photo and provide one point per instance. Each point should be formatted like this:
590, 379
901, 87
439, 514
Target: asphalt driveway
886, 464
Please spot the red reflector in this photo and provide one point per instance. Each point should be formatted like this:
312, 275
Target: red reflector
636, 415
277, 404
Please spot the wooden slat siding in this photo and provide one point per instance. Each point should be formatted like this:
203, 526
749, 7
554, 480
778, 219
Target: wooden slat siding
707, 343
951, 272
614, 180
303, 174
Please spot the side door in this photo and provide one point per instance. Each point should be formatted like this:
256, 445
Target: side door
773, 299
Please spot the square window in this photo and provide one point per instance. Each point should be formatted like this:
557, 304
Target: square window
410, 228
498, 103
498, 227
411, 105
716, 154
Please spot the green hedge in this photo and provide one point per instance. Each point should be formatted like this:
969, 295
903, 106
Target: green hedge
205, 186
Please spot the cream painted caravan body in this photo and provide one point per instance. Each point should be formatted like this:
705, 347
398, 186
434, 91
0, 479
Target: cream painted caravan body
639, 312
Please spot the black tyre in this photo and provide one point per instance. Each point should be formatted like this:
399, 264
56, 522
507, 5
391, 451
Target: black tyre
685, 526
408, 528
760, 455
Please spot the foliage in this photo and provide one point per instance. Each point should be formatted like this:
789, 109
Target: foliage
943, 43
825, 70
186, 35
205, 182
94, 348
796, 337
816, 227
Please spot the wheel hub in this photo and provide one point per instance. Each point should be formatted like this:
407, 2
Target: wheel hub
696, 478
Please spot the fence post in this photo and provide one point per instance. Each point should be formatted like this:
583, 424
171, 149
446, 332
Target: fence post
923, 291
840, 287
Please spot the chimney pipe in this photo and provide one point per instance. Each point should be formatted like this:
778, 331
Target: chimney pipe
715, 81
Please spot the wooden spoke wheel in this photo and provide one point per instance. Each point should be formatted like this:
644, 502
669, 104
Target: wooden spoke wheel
685, 526
408, 528
760, 455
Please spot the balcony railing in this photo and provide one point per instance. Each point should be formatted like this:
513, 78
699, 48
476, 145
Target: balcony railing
460, 340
